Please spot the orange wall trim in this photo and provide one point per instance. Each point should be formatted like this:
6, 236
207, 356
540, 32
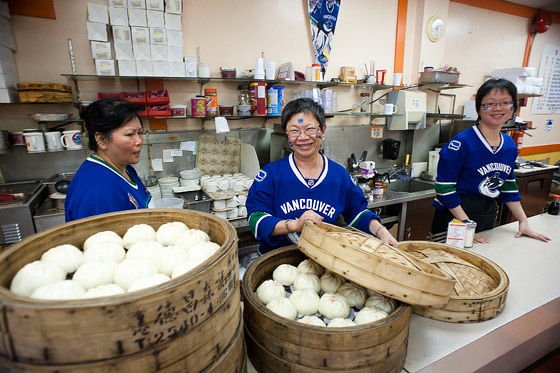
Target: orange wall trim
400, 36
538, 149
507, 7
33, 8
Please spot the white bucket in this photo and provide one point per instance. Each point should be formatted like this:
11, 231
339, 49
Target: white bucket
169, 203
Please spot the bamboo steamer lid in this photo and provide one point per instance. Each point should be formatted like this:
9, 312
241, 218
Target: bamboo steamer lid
480, 289
369, 262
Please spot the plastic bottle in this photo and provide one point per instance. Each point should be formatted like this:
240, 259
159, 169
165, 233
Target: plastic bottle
316, 72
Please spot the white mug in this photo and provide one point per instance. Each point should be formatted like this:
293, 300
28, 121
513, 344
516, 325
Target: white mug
242, 199
34, 142
71, 139
219, 204
223, 184
54, 144
221, 214
238, 186
211, 186
233, 213
389, 109
232, 202
242, 211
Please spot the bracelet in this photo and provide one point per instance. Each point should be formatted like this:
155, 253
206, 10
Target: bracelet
287, 222
377, 231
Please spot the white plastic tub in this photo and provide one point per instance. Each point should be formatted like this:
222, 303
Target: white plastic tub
169, 203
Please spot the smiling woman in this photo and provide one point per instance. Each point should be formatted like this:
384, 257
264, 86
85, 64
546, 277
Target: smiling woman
475, 169
306, 185
106, 181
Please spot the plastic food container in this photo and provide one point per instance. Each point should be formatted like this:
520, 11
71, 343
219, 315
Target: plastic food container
228, 73
438, 77
226, 110
179, 110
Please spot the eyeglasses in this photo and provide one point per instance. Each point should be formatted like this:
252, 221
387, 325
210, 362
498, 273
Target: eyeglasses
495, 105
309, 131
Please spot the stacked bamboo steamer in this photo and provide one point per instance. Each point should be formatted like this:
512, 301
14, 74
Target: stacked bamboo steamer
191, 323
438, 281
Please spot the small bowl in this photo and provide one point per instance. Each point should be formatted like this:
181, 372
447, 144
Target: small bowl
244, 110
226, 110
228, 73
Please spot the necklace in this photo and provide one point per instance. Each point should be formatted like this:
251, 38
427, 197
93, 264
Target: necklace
311, 174
111, 166
493, 147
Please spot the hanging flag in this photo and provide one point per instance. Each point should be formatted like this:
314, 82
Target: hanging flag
322, 16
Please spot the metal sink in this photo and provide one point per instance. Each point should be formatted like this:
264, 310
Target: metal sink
409, 186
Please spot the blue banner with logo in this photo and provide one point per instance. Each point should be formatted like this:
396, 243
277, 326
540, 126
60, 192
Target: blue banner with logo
323, 15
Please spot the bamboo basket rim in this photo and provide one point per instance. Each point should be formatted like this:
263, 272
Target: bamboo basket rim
441, 284
249, 293
498, 290
7, 298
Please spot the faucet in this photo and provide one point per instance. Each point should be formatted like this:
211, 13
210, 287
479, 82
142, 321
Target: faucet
398, 172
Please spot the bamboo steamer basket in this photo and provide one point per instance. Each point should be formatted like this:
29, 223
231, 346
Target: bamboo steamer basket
491, 287
182, 325
276, 344
367, 261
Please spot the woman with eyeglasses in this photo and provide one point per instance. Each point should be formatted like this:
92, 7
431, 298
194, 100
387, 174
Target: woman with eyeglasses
106, 181
305, 185
475, 168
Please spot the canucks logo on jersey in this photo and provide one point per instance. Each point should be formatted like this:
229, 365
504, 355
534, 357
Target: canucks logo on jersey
490, 185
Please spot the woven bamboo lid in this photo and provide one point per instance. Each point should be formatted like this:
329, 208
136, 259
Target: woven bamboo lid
371, 263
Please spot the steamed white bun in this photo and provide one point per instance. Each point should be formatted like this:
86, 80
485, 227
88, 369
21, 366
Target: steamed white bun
306, 301
102, 237
183, 268
167, 233
341, 323
312, 320
333, 306
148, 282
187, 239
283, 307
355, 295
168, 258
309, 266
109, 251
270, 290
144, 249
201, 251
330, 282
105, 290
307, 281
94, 273
138, 233
67, 257
367, 315
62, 290
36, 274
381, 303
285, 274
131, 269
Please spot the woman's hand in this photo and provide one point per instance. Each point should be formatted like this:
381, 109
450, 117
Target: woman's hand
480, 239
384, 235
307, 215
524, 230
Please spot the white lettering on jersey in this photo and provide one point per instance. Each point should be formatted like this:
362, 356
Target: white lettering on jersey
308, 204
492, 167
260, 176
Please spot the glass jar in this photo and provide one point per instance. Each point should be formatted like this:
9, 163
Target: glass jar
244, 96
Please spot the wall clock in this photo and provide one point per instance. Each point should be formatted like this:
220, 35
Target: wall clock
435, 28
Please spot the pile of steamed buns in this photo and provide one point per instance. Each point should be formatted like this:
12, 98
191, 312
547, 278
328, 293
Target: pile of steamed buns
111, 265
310, 295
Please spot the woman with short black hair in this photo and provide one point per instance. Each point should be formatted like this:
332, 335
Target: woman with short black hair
106, 181
306, 185
476, 168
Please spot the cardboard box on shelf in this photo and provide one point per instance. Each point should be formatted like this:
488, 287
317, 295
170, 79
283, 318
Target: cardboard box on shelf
118, 16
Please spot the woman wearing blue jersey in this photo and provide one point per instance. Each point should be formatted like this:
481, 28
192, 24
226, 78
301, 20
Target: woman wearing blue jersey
476, 167
106, 181
306, 185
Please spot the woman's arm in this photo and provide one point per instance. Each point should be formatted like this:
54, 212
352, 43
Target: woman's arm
296, 225
524, 229
378, 230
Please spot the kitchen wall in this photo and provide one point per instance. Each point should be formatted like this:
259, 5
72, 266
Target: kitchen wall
234, 33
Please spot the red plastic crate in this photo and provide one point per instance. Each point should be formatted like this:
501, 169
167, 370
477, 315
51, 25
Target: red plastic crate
102, 95
157, 96
153, 112
138, 97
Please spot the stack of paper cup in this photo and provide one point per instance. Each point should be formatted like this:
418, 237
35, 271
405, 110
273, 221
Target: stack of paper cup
270, 70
